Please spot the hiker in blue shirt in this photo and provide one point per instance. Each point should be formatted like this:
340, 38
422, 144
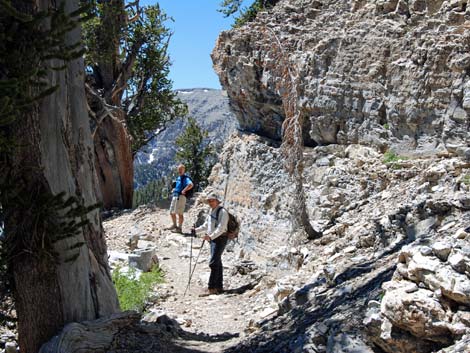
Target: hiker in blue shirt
183, 184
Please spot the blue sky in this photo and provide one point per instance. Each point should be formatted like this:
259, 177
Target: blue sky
195, 28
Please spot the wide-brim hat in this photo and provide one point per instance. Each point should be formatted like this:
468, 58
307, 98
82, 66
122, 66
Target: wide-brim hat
213, 196
209, 194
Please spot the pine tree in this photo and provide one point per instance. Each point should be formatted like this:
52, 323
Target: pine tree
53, 245
197, 156
129, 94
244, 14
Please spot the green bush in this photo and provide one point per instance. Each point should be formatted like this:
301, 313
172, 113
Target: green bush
392, 157
132, 292
466, 179
245, 14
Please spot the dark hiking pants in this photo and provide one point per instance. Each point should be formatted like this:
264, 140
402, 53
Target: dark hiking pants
216, 278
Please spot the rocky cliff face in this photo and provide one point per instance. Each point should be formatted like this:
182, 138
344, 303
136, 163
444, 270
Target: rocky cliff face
389, 73
390, 273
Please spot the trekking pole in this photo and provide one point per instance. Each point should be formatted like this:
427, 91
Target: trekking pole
194, 268
193, 234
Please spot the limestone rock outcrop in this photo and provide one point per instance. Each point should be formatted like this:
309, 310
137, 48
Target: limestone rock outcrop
369, 76
388, 73
391, 268
428, 297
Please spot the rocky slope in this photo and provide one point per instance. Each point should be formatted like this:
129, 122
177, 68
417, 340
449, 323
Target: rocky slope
408, 217
390, 271
389, 274
389, 73
210, 109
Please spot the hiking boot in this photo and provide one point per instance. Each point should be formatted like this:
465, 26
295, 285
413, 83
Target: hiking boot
210, 291
218, 290
177, 230
171, 227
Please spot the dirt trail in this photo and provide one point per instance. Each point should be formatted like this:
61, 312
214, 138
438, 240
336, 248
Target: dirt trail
213, 323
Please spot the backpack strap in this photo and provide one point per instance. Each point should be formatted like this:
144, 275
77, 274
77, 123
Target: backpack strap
218, 214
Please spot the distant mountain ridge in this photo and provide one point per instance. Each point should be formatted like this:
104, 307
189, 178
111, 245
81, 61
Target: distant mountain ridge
211, 110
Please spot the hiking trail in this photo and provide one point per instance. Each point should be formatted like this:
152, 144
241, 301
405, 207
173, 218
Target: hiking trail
214, 322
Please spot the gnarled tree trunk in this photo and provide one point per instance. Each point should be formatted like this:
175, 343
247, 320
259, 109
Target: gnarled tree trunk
114, 163
70, 281
113, 151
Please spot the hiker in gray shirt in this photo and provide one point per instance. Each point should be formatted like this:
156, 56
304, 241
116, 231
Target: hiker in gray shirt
214, 229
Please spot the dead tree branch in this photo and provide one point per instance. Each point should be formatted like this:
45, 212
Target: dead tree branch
292, 146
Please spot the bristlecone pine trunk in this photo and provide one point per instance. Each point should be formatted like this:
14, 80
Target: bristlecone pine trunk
113, 147
56, 155
114, 162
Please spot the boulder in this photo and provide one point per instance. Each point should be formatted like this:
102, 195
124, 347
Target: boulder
144, 259
442, 249
418, 313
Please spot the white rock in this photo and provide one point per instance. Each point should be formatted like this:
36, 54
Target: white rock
453, 285
446, 226
416, 312
267, 312
442, 249
143, 259
144, 244
11, 347
282, 291
460, 234
425, 251
116, 255
458, 329
130, 272
457, 261
419, 263
305, 252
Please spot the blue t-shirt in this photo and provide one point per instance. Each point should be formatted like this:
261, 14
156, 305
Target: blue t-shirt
181, 182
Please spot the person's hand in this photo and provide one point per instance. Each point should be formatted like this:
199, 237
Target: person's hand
207, 238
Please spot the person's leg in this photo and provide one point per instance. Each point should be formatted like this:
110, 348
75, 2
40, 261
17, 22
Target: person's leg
216, 278
212, 264
173, 205
180, 220
179, 210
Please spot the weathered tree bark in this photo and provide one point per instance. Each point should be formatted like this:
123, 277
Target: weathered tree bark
91, 336
70, 281
114, 163
113, 151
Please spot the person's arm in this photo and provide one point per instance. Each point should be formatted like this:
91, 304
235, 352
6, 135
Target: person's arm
221, 226
203, 228
188, 187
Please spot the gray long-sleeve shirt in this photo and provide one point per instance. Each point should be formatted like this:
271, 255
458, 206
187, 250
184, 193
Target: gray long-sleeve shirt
212, 227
